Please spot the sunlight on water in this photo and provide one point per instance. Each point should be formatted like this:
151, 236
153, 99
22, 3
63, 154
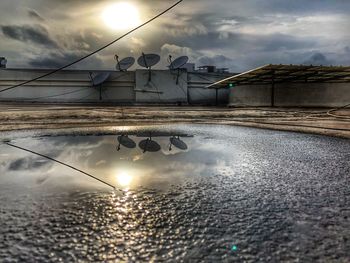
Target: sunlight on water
124, 179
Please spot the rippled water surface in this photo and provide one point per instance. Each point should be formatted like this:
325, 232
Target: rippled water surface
235, 194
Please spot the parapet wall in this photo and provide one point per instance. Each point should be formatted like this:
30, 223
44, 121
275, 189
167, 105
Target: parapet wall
131, 87
291, 95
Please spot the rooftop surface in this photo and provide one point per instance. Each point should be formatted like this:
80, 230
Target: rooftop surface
16, 117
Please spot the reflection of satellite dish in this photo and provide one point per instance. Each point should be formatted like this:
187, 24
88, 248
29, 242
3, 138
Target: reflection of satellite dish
126, 142
177, 64
178, 143
148, 61
99, 79
125, 63
3, 62
149, 145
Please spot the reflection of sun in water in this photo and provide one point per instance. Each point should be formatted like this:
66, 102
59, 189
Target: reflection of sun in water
124, 179
121, 16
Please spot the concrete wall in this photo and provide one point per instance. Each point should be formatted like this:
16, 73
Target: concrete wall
198, 94
66, 86
291, 95
312, 94
250, 95
162, 88
122, 87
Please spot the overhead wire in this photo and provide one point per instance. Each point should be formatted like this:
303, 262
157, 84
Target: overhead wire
94, 52
62, 163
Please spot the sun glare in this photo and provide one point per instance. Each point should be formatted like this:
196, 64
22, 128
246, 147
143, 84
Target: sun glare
121, 16
124, 179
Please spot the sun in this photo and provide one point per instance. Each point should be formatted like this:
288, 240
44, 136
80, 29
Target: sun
121, 16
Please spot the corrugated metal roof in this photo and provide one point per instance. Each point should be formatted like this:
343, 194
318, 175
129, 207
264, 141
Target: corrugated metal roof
287, 73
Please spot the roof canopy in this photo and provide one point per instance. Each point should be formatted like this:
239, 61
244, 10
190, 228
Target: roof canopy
287, 73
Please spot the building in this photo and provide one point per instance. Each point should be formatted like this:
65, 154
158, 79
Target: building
289, 86
131, 87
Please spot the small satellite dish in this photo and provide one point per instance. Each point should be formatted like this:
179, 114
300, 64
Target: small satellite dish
125, 63
178, 143
178, 63
126, 142
100, 78
149, 145
148, 60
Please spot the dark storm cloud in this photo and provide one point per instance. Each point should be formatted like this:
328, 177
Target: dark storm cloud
36, 34
242, 33
58, 59
26, 163
317, 59
216, 60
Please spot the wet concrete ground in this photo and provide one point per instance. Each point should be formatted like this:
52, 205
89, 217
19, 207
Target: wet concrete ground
235, 195
35, 116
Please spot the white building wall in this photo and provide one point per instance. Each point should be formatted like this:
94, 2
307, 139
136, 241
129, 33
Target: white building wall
162, 88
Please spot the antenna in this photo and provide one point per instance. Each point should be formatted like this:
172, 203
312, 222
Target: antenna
148, 61
177, 64
99, 79
125, 63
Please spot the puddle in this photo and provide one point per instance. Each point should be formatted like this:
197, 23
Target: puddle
185, 193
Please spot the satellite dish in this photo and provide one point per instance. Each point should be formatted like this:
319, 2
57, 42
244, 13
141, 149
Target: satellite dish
126, 142
149, 145
148, 60
100, 78
178, 63
178, 143
125, 63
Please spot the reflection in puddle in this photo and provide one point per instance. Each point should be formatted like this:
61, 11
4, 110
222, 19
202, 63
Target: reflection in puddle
204, 193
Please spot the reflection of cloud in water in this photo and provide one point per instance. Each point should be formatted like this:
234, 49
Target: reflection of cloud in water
98, 155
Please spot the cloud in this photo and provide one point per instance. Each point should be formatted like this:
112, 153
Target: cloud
58, 59
36, 34
218, 60
35, 15
317, 59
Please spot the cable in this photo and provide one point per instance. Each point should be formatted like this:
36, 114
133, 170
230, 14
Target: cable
62, 94
94, 52
62, 163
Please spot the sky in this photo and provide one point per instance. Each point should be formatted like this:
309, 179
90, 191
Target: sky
238, 34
